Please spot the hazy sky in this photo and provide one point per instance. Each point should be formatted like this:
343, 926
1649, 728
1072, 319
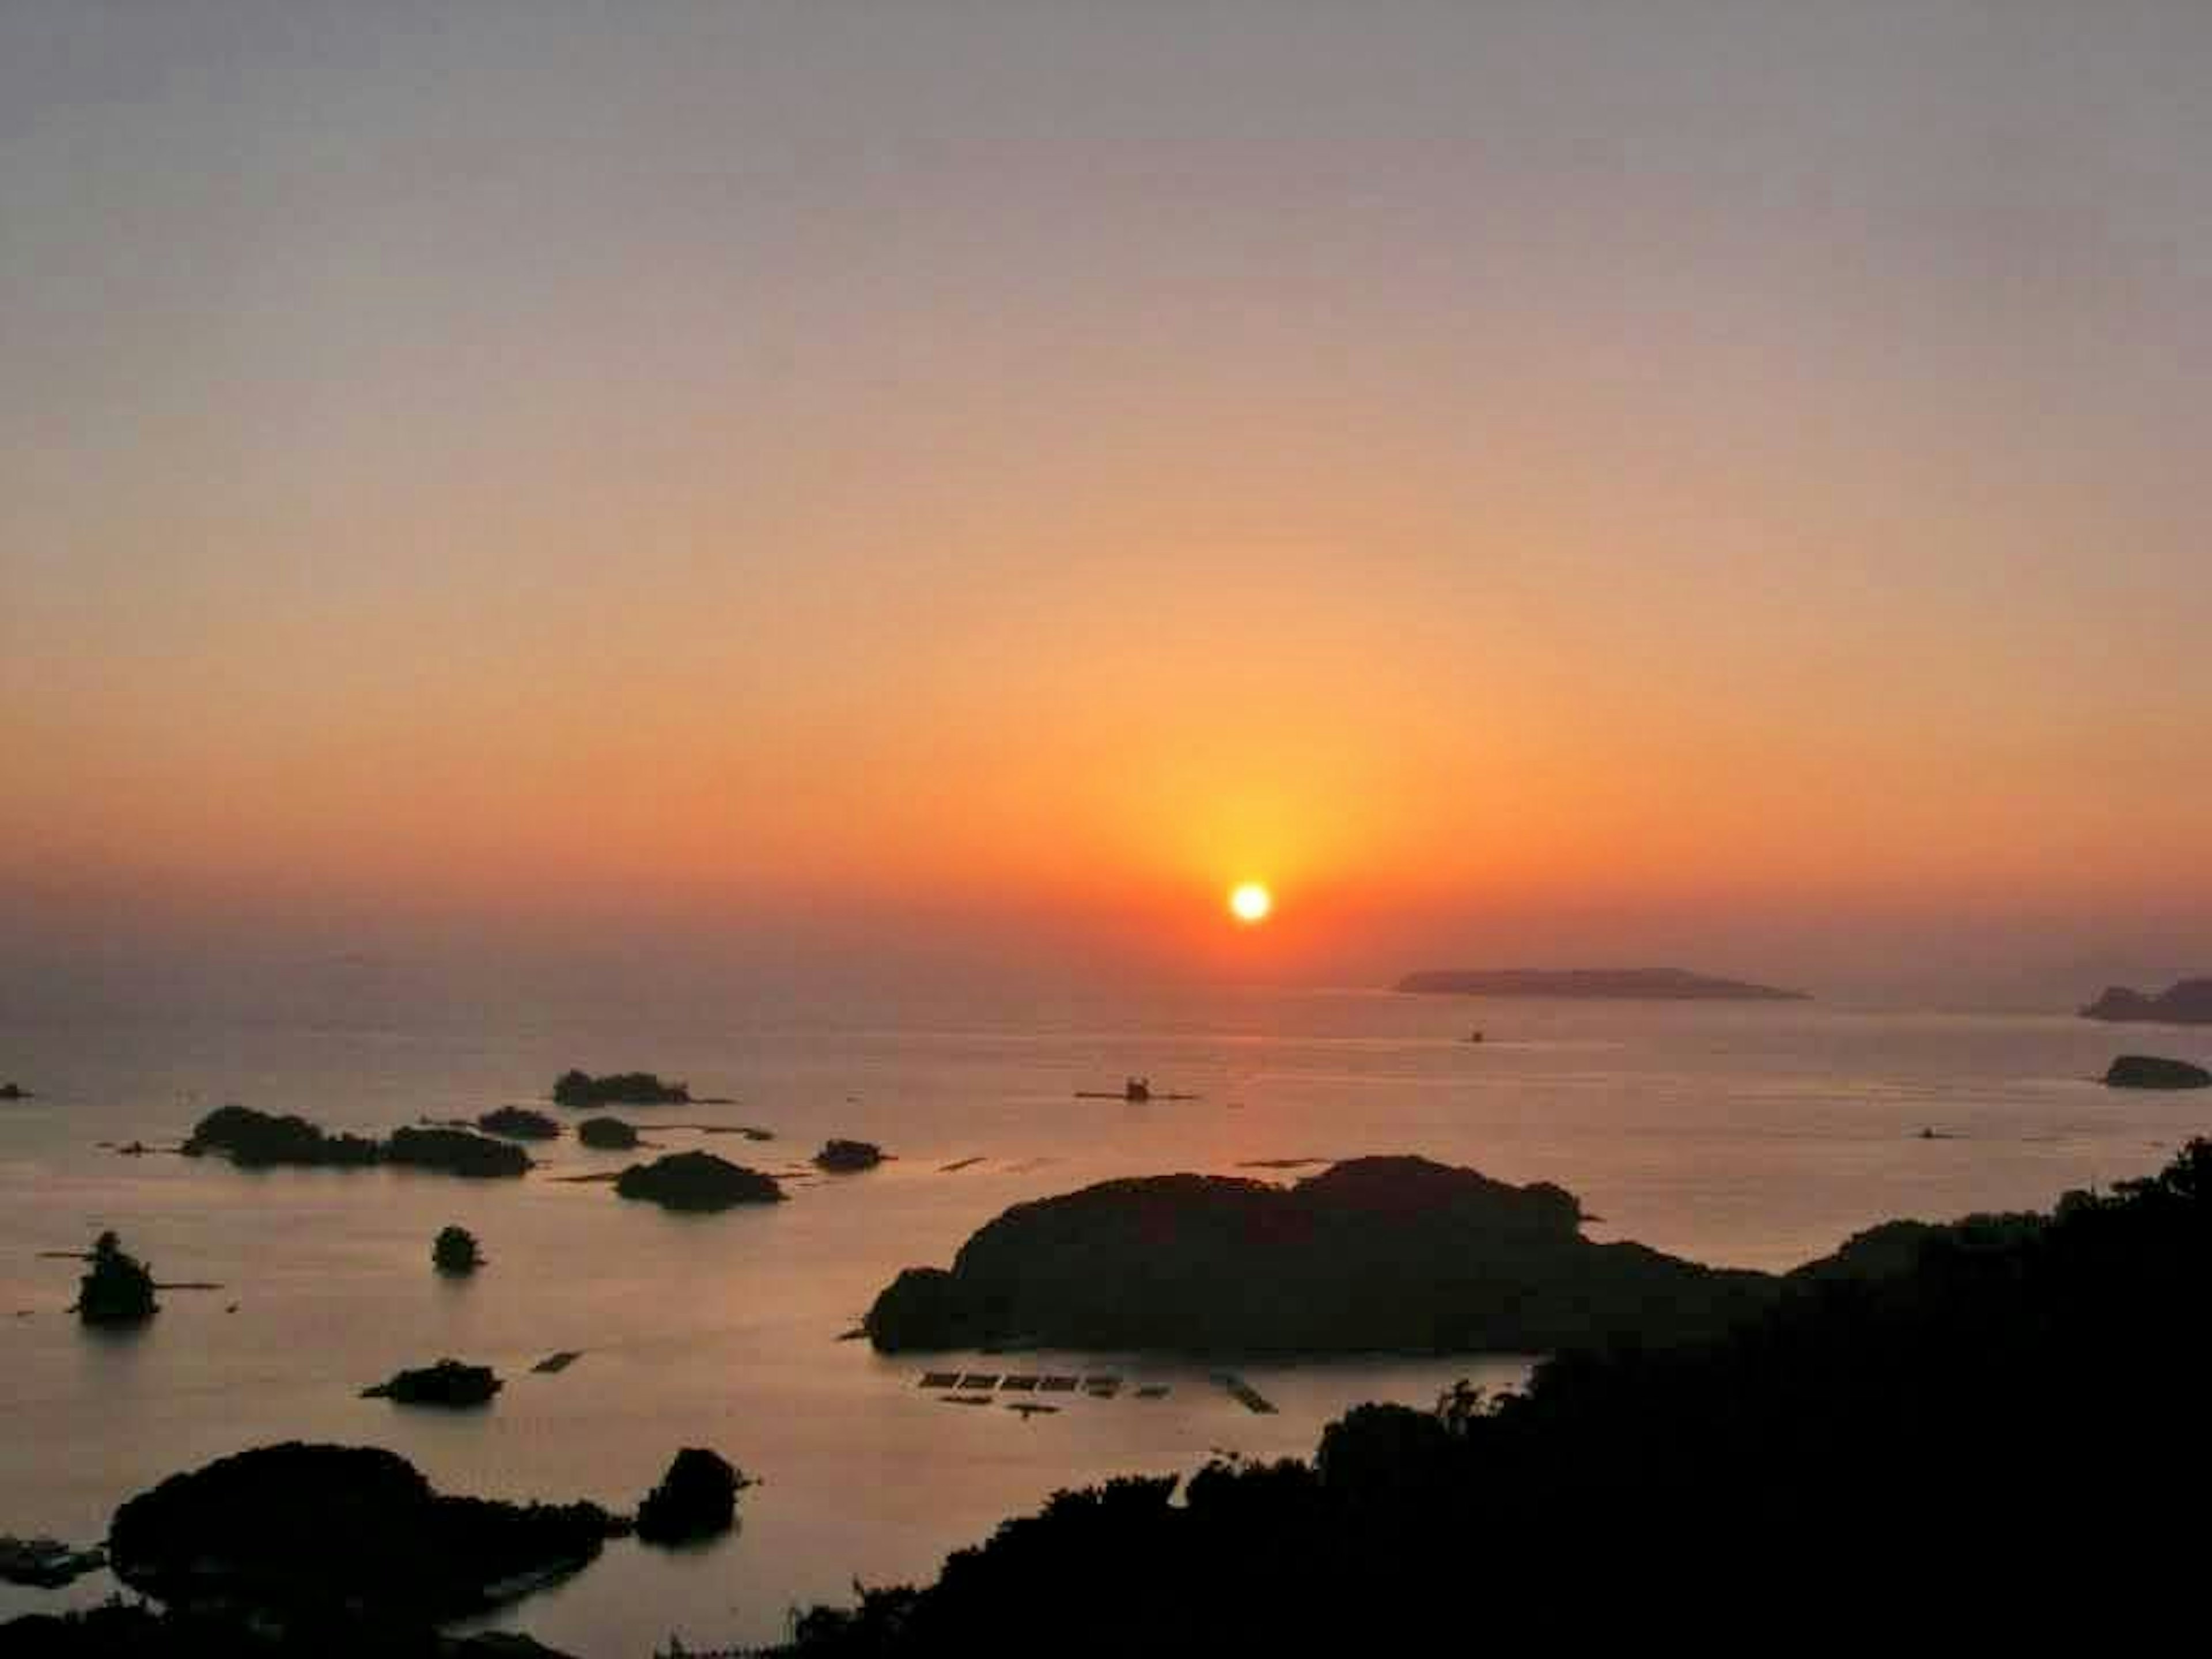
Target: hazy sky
1525, 479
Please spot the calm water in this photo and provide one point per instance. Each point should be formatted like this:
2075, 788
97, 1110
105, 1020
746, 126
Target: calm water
1755, 1135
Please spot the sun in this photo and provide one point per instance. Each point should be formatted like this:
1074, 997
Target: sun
1249, 903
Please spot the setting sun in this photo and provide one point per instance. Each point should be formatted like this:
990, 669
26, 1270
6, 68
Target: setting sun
1250, 903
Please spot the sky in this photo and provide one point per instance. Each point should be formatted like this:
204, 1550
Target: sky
1665, 480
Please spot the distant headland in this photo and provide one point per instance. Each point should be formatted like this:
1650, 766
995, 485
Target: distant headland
2185, 1002
1650, 984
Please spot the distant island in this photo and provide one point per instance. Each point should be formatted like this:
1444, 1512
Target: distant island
1648, 984
253, 1139
1377, 1254
2185, 1002
575, 1088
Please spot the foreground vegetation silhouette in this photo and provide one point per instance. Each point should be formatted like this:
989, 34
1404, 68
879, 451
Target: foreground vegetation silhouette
1998, 1418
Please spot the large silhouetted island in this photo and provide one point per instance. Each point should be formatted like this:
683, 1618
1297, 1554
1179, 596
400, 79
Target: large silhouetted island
2185, 1002
1908, 1426
1379, 1253
253, 1139
1647, 984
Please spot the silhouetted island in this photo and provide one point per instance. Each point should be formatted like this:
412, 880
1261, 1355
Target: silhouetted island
446, 1382
14, 1091
455, 1251
575, 1088
1651, 984
696, 1499
118, 1289
2152, 1072
45, 1563
696, 1180
2185, 1002
1378, 1254
848, 1156
608, 1134
520, 1123
1897, 1416
253, 1139
297, 1532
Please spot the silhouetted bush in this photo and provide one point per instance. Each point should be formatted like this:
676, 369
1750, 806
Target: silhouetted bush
455, 1251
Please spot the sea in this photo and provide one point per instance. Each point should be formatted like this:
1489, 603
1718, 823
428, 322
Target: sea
1748, 1134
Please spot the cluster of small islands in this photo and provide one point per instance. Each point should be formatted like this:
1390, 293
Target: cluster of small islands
1675, 1398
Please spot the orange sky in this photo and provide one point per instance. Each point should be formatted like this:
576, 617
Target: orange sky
767, 464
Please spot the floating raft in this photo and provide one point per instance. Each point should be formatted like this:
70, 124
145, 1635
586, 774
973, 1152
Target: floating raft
555, 1363
1021, 1384
980, 1380
1060, 1384
1153, 1391
1101, 1388
940, 1379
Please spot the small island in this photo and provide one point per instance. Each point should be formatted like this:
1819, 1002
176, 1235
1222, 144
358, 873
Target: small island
1379, 1254
253, 1140
1623, 984
120, 1288
14, 1091
697, 1182
848, 1156
45, 1563
696, 1499
259, 1531
2153, 1071
606, 1134
2185, 1002
575, 1088
455, 1252
448, 1382
520, 1123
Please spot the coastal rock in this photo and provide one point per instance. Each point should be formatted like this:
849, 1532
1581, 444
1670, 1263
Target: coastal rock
2153, 1071
696, 1499
447, 1382
294, 1530
520, 1123
1651, 984
848, 1156
14, 1091
120, 1288
1384, 1255
607, 1135
696, 1180
2185, 1002
575, 1088
455, 1251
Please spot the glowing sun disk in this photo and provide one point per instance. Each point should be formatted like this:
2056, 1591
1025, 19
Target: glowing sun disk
1249, 901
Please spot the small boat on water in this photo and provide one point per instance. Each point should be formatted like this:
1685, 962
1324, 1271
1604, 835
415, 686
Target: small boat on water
1474, 1036
1136, 1091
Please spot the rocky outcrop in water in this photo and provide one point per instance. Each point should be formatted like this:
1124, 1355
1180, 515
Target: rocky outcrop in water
14, 1091
447, 1382
1381, 1254
2185, 1002
575, 1088
298, 1532
117, 1290
848, 1156
606, 1134
696, 1499
2153, 1071
455, 1251
696, 1180
455, 1152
